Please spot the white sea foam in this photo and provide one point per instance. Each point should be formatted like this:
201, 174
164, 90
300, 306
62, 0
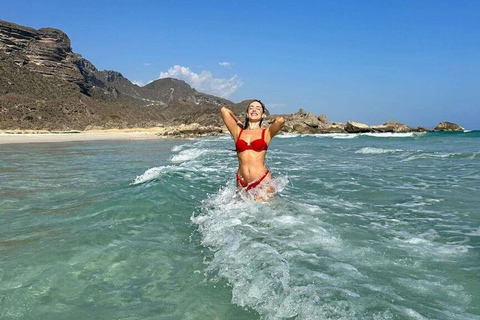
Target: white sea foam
474, 155
188, 170
418, 201
184, 156
355, 135
393, 134
373, 150
205, 140
430, 155
287, 135
425, 245
188, 154
344, 136
178, 148
224, 137
150, 174
475, 233
256, 248
337, 135
319, 135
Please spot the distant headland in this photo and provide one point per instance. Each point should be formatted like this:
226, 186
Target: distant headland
45, 86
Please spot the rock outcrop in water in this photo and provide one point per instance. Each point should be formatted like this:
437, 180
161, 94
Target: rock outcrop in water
448, 126
357, 127
306, 122
392, 126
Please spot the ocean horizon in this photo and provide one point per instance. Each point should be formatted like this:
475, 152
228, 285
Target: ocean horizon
364, 226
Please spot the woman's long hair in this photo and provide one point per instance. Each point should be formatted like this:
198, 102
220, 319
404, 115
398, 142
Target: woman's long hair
245, 126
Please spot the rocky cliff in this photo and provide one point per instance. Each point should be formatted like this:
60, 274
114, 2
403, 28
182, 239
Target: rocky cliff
46, 51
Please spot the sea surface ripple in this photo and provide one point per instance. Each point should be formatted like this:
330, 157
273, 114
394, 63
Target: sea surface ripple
383, 226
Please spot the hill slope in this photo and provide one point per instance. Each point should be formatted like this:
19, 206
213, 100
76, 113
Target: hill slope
45, 85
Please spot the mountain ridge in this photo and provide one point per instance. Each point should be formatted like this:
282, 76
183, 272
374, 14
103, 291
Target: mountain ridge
26, 52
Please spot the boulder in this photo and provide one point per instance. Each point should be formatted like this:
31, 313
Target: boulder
357, 127
301, 113
448, 126
332, 127
322, 118
287, 128
391, 126
302, 128
311, 120
421, 129
191, 130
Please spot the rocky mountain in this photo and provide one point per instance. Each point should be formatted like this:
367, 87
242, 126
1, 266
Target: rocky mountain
30, 100
39, 72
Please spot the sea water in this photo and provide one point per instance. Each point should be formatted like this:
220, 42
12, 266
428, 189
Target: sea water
366, 226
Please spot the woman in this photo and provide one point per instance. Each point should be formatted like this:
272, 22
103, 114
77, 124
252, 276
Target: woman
251, 142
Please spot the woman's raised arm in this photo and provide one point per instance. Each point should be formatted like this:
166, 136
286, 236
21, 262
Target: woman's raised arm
231, 121
275, 126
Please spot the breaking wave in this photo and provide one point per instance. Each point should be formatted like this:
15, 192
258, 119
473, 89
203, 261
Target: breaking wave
372, 150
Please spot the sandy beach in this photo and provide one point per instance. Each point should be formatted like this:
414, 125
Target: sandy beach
31, 136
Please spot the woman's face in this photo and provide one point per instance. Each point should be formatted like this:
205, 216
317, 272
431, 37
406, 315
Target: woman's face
255, 111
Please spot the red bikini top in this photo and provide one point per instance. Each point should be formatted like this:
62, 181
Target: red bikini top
255, 145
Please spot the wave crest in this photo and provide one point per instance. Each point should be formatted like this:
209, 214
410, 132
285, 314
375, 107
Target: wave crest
373, 150
188, 154
150, 174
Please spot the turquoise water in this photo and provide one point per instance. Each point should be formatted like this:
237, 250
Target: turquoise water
365, 227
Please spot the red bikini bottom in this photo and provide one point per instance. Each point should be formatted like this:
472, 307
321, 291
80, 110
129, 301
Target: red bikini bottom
253, 184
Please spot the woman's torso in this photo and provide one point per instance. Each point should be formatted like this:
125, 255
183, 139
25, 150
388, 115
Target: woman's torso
251, 150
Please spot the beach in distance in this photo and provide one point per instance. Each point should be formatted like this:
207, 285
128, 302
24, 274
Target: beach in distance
299, 123
26, 136
374, 225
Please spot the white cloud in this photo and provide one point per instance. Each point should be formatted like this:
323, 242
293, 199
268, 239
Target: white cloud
225, 64
138, 83
204, 81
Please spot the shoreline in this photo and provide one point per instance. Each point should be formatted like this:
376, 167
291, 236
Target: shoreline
18, 136
33, 136
136, 133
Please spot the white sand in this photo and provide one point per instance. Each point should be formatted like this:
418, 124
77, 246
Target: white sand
24, 136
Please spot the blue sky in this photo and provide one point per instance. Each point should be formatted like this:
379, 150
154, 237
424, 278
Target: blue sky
417, 62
